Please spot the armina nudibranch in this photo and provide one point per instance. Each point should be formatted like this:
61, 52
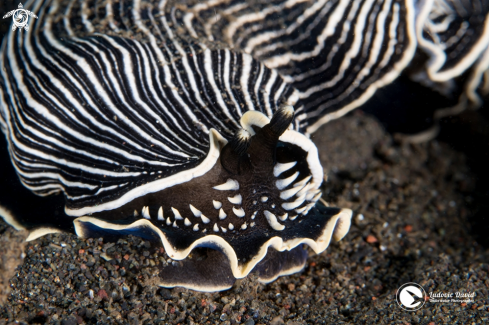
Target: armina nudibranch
188, 122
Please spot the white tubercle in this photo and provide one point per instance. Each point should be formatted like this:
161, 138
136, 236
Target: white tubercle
205, 219
230, 185
272, 221
168, 221
287, 194
222, 214
294, 204
264, 198
283, 217
231, 226
195, 211
177, 214
254, 215
136, 214
217, 205
215, 228
237, 199
280, 168
175, 224
252, 224
283, 183
160, 214
145, 213
187, 222
224, 230
244, 226
239, 212
293, 218
196, 227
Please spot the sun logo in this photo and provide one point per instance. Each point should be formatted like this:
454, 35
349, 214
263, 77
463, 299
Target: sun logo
20, 17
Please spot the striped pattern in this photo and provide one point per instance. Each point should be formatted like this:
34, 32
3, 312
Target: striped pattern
336, 53
100, 97
94, 116
454, 33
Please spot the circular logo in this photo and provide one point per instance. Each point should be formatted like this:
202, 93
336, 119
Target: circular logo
411, 296
20, 17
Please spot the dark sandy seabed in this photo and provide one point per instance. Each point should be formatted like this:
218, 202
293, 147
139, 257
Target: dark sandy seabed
415, 200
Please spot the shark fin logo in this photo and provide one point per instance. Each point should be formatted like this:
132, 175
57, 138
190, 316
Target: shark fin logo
20, 17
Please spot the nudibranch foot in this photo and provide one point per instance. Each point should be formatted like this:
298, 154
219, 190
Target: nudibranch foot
208, 270
213, 263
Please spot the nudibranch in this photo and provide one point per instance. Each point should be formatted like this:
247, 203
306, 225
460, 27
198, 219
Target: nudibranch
188, 123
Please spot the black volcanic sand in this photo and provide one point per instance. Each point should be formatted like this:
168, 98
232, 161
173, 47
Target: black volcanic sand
411, 204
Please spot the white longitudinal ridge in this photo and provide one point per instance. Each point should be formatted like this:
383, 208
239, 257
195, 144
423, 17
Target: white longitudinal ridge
287, 194
300, 210
305, 189
283, 183
314, 195
280, 168
308, 207
294, 204
303, 182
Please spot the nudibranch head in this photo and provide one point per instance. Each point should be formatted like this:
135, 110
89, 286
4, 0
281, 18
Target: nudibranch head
261, 195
